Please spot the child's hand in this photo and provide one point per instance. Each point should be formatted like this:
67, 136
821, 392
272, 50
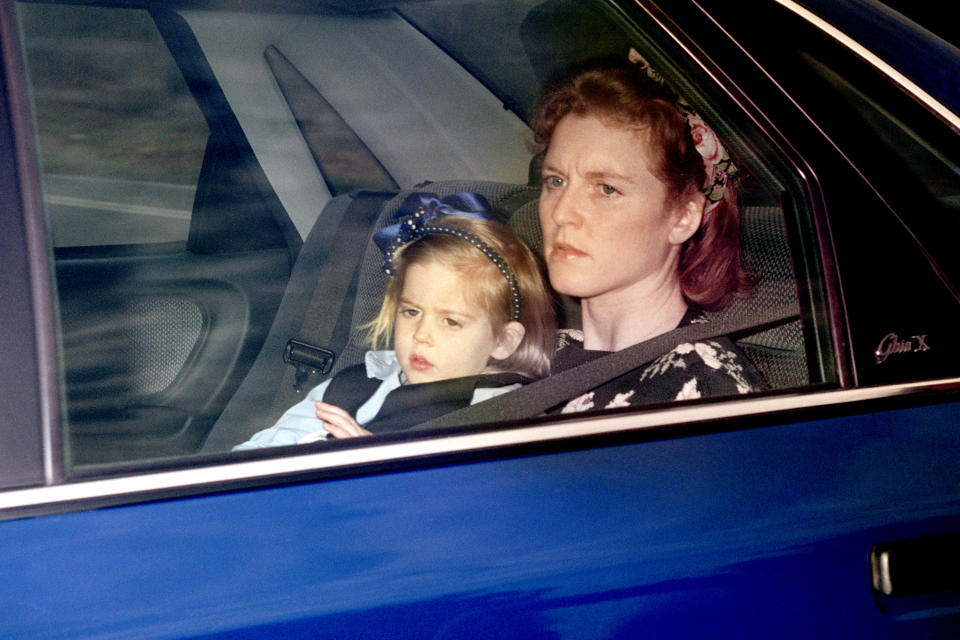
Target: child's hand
338, 422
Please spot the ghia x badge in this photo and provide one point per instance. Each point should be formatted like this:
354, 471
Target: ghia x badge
892, 343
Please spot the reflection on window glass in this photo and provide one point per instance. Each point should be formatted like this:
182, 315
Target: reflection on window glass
173, 350
121, 140
923, 156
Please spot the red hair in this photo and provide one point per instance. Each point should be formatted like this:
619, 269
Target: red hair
710, 267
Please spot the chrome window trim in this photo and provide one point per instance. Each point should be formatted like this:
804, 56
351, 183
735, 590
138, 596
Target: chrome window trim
205, 479
37, 246
895, 76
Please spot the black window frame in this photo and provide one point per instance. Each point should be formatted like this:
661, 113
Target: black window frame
29, 375
865, 199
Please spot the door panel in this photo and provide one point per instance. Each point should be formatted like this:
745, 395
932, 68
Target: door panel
154, 344
758, 533
171, 248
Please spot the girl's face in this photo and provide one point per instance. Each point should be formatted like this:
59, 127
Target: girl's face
438, 333
608, 226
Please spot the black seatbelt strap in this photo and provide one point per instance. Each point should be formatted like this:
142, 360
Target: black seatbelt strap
351, 388
537, 397
412, 404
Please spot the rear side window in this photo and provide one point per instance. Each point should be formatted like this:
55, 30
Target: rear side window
214, 180
121, 139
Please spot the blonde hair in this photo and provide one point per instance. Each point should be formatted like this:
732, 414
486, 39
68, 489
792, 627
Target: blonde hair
488, 289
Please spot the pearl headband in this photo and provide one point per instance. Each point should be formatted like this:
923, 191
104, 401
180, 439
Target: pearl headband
419, 216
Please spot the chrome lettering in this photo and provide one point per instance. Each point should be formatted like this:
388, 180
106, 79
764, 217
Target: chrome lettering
892, 344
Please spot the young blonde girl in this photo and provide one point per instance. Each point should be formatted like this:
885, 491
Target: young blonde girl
467, 313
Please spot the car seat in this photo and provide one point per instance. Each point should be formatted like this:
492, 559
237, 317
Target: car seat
336, 282
779, 353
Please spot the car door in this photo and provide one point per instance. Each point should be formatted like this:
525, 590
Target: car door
793, 513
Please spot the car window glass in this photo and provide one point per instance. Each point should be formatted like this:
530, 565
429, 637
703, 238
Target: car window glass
918, 178
288, 139
121, 140
934, 166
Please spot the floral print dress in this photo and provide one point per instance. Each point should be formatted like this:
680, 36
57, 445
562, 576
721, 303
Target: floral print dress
707, 368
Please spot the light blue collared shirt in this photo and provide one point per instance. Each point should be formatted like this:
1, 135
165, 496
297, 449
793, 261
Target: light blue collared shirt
300, 421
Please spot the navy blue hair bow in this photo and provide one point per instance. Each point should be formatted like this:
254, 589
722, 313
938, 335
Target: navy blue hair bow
418, 209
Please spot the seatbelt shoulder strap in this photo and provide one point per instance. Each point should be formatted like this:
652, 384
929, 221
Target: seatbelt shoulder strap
537, 397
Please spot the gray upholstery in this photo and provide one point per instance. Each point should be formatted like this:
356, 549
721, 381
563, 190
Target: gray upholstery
779, 353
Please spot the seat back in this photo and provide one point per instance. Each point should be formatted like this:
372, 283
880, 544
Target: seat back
779, 353
259, 399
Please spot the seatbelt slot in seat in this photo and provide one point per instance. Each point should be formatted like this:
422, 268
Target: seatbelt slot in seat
308, 360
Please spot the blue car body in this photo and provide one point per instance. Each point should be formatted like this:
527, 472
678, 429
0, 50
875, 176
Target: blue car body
752, 533
777, 515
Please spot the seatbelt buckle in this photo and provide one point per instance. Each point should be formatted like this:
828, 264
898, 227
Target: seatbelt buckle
308, 360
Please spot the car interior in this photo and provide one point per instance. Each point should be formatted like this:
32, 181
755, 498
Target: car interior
778, 352
177, 347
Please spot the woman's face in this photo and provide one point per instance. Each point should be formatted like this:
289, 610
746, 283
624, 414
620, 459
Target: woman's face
608, 228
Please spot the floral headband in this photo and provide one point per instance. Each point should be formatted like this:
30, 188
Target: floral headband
716, 160
419, 216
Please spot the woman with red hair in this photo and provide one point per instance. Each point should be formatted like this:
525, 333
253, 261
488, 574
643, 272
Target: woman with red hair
640, 222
